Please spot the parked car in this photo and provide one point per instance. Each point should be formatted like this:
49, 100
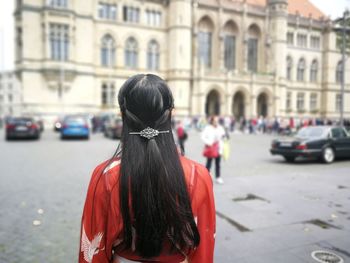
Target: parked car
58, 124
113, 127
324, 142
22, 127
40, 123
74, 127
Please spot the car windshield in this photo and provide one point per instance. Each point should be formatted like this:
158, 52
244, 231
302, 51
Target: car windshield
311, 132
21, 121
74, 120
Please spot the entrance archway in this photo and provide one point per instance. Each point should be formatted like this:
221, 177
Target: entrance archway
262, 107
212, 103
238, 108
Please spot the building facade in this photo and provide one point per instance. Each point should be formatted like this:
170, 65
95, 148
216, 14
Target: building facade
229, 57
10, 95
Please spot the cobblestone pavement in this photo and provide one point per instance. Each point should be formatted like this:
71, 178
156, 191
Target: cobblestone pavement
291, 209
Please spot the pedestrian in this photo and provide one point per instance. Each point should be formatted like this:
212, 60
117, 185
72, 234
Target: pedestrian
148, 203
213, 136
181, 136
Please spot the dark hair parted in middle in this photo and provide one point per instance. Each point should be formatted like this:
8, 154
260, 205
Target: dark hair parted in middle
151, 172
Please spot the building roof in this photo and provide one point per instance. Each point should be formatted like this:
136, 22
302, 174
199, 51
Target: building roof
303, 7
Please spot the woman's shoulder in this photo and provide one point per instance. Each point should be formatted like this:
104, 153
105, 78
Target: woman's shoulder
194, 170
108, 171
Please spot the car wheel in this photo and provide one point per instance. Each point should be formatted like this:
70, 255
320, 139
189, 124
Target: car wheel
328, 155
289, 159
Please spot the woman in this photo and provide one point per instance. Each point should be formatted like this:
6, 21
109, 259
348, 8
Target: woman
148, 203
213, 136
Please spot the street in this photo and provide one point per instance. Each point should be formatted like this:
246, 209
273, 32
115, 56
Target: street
267, 210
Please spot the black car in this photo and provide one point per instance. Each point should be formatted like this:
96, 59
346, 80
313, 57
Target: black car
113, 127
323, 142
22, 127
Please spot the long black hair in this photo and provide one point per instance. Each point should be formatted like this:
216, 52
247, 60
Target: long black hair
151, 172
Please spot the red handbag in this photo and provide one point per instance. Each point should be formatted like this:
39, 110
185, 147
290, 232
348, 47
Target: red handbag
211, 151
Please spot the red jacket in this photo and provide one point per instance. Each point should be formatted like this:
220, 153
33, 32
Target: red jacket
102, 224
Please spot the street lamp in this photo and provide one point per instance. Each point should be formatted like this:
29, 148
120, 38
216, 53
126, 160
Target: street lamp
343, 30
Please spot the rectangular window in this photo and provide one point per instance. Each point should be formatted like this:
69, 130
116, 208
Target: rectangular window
153, 18
108, 95
19, 43
59, 42
313, 102
253, 54
10, 98
204, 50
315, 42
230, 52
289, 100
107, 11
131, 14
58, 3
300, 101
338, 102
302, 40
290, 38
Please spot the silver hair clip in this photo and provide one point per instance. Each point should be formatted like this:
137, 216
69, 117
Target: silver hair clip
149, 133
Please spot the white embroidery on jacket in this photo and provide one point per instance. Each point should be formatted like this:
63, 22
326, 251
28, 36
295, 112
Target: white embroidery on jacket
89, 249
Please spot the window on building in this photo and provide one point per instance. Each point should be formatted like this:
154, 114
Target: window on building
315, 42
253, 54
153, 18
300, 101
289, 100
230, 52
289, 68
1, 98
302, 40
313, 71
338, 102
290, 38
108, 95
58, 3
131, 53
313, 101
131, 14
19, 43
301, 70
108, 51
153, 55
10, 98
107, 11
59, 42
339, 72
19, 3
204, 44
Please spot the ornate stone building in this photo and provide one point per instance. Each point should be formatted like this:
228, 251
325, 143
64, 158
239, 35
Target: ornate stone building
229, 57
10, 94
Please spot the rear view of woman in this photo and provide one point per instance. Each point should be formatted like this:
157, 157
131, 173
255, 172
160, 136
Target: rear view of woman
148, 203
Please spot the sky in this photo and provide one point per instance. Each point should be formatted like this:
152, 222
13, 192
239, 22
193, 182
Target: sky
332, 8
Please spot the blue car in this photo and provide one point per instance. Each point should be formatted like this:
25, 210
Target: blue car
75, 127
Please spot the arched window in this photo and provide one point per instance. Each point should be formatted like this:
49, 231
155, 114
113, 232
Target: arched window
206, 29
301, 70
230, 32
339, 72
107, 51
153, 55
289, 68
252, 48
313, 71
131, 53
